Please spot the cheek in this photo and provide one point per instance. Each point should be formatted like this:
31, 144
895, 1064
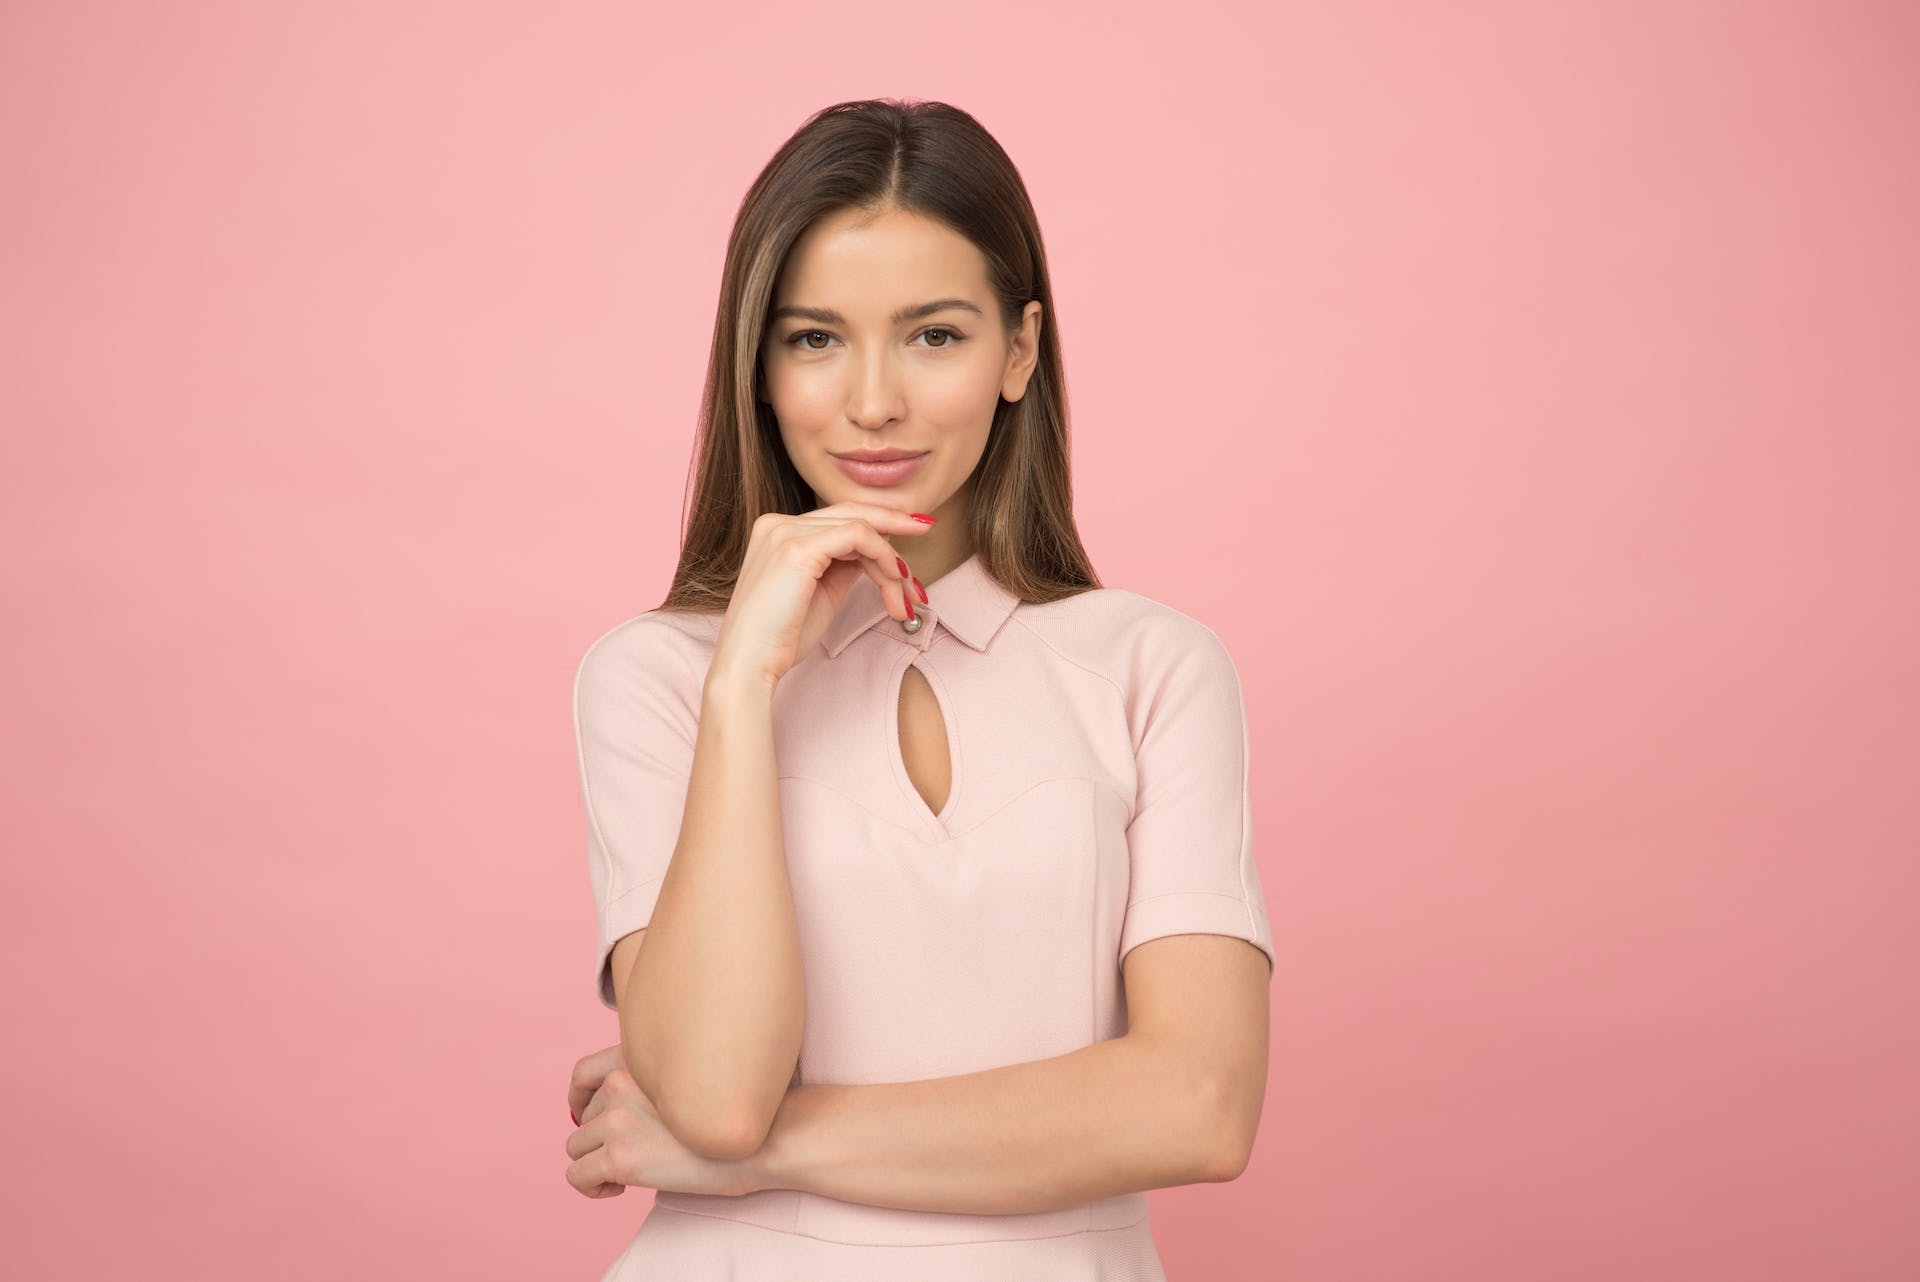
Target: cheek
801, 396
961, 390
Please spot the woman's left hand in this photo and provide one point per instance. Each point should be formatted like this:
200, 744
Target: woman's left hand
621, 1140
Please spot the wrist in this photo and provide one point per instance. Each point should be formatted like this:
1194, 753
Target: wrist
727, 684
776, 1164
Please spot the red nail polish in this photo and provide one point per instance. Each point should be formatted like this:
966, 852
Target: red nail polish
923, 518
576, 1121
908, 602
922, 591
901, 562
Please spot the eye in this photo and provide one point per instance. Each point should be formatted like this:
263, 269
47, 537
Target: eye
948, 338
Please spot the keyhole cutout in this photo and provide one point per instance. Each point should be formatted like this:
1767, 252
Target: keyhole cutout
923, 740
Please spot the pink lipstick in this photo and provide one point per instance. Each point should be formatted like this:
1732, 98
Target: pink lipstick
880, 467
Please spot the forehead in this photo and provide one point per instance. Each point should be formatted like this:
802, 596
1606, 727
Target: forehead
856, 261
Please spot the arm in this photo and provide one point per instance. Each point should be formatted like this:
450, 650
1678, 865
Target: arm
1115, 1117
1177, 1100
712, 1009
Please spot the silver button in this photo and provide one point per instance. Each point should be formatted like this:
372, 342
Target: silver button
912, 625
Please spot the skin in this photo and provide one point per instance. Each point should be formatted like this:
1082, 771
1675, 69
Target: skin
1191, 1070
929, 383
932, 381
713, 1037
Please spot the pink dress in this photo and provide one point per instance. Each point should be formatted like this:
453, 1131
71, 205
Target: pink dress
1099, 799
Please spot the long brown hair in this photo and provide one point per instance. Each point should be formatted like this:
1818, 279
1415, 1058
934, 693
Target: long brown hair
937, 161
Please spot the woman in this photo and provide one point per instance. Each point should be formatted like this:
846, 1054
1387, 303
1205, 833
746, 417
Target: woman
922, 862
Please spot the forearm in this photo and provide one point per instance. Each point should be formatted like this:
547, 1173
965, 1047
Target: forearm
1115, 1117
716, 1007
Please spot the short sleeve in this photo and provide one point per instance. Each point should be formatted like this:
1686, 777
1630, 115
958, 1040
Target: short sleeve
1190, 843
635, 720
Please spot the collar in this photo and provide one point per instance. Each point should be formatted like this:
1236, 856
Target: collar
966, 601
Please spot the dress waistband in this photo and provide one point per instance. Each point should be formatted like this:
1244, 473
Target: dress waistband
812, 1215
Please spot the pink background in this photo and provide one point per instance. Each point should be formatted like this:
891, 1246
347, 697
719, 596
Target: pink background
1527, 394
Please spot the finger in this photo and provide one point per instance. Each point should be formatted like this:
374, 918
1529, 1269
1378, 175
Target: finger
581, 1141
588, 1175
892, 519
889, 521
588, 1073
592, 1172
848, 539
855, 539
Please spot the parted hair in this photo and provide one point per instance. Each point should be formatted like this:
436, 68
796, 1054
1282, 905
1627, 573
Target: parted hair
936, 161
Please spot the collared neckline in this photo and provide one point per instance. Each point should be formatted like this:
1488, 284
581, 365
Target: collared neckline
966, 601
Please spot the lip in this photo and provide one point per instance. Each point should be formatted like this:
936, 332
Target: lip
878, 456
880, 467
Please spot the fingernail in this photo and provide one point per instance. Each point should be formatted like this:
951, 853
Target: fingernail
902, 563
908, 602
923, 517
922, 591
576, 1121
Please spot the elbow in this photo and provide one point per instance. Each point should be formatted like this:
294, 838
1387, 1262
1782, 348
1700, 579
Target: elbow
711, 1116
1228, 1135
718, 1135
715, 1129
1229, 1159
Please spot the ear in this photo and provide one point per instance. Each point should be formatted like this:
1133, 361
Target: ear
1024, 353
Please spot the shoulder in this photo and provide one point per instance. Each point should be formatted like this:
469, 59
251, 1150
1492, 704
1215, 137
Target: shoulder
661, 650
1129, 636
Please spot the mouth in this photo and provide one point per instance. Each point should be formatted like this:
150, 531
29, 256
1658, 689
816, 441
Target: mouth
880, 467
878, 456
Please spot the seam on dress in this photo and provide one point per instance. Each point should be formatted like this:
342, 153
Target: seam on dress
1246, 780
1118, 690
1170, 894
1246, 800
910, 1246
614, 900
1096, 862
1066, 658
580, 750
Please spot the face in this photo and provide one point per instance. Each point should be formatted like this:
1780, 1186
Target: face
885, 336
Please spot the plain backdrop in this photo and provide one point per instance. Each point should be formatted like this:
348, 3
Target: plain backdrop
1525, 392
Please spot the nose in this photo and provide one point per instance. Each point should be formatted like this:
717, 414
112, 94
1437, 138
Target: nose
875, 397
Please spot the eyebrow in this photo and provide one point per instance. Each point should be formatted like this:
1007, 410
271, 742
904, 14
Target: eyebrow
827, 316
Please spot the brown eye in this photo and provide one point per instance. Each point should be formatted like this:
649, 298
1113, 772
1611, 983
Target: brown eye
798, 340
948, 337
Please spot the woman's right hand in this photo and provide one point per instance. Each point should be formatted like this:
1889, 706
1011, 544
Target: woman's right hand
796, 572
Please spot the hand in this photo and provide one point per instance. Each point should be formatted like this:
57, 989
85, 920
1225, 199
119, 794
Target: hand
621, 1140
588, 1073
796, 572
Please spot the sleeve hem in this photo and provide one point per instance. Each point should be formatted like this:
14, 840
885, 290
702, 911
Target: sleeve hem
629, 911
1194, 913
